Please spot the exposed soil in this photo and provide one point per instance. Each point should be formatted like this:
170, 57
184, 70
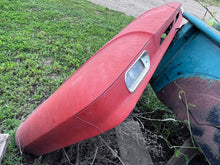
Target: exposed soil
159, 137
103, 149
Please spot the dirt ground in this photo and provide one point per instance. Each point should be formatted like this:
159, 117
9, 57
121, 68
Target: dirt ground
137, 7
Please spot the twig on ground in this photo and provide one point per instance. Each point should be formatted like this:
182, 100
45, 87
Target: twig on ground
113, 152
168, 119
96, 151
67, 157
141, 123
77, 154
207, 10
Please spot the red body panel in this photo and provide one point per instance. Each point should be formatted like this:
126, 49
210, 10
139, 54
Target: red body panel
95, 98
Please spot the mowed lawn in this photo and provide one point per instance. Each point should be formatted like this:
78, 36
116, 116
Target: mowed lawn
42, 43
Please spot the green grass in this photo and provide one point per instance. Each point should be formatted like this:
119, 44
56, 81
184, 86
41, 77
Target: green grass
42, 43
211, 2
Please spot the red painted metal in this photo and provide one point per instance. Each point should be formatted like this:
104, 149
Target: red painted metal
95, 98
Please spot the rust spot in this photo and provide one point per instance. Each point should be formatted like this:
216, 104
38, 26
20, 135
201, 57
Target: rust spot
214, 116
203, 99
197, 131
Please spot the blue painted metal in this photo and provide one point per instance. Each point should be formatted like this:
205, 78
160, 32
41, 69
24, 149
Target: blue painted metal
217, 26
203, 27
191, 66
190, 54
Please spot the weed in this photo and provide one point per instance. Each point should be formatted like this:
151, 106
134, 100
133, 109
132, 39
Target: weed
211, 2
